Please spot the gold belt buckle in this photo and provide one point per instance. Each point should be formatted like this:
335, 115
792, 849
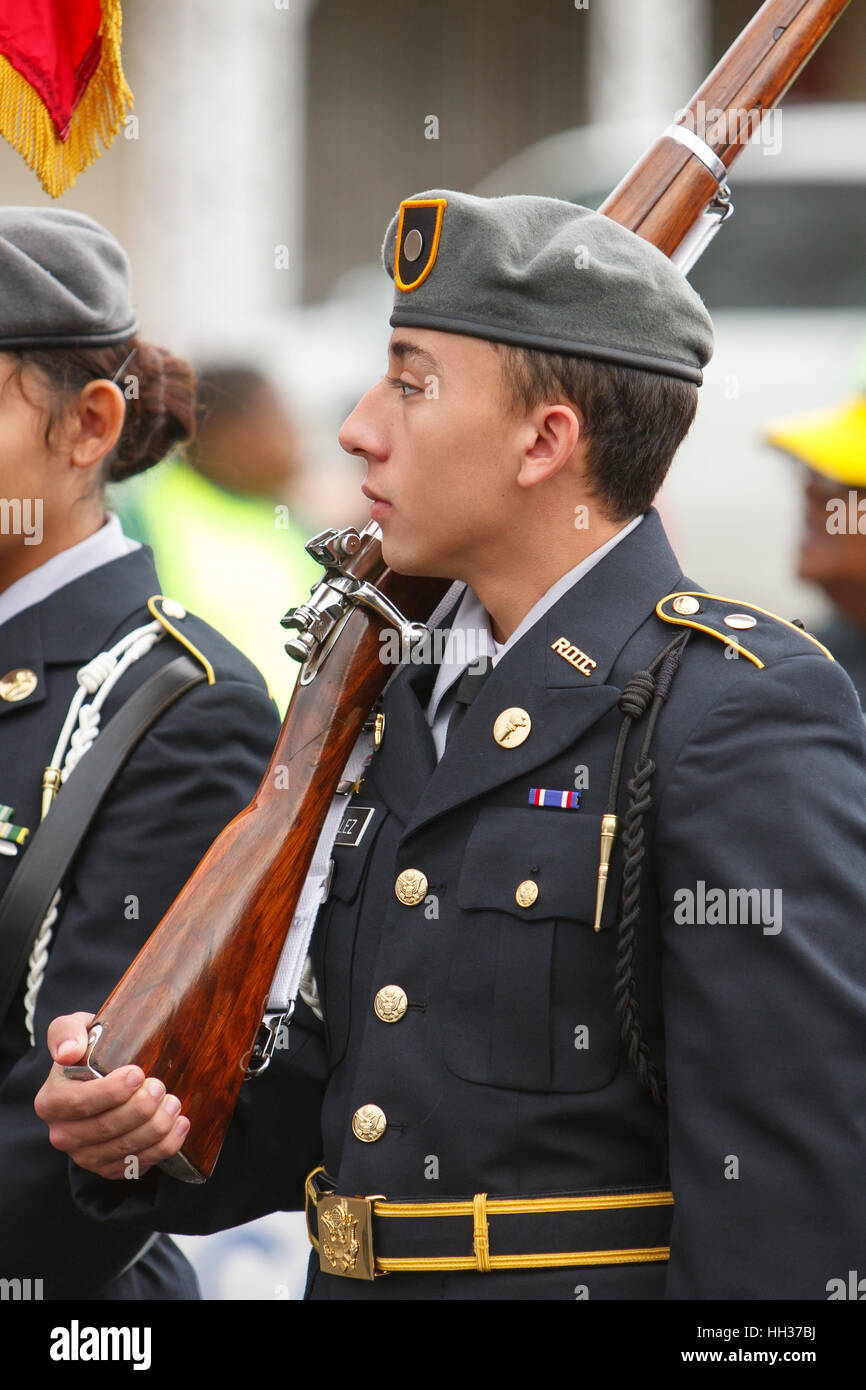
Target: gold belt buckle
346, 1236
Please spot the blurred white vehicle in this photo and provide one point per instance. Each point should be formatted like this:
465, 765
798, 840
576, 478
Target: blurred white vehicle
785, 282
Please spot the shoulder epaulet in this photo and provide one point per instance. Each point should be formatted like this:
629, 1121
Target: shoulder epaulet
169, 612
730, 620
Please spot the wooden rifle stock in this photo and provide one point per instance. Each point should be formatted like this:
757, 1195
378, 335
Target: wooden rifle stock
189, 1007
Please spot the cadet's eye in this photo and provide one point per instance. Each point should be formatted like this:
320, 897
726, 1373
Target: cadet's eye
404, 387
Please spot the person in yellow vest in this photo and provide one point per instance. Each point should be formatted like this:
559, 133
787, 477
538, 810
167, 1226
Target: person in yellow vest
831, 444
221, 523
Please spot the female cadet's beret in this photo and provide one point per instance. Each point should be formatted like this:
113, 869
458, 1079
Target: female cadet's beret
547, 274
63, 280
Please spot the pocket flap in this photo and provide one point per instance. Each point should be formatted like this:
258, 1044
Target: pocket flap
557, 851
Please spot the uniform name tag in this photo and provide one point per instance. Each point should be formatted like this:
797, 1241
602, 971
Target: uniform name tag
353, 825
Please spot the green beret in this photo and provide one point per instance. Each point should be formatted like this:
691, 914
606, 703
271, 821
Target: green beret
542, 273
63, 280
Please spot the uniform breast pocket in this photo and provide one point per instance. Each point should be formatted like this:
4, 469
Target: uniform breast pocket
530, 1002
333, 947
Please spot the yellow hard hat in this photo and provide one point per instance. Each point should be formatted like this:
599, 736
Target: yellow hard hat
831, 442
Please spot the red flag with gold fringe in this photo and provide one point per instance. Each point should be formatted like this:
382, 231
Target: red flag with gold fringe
62, 86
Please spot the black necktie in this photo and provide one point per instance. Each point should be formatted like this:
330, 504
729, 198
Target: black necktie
468, 687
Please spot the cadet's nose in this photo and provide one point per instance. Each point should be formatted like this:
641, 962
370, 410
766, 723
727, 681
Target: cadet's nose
362, 432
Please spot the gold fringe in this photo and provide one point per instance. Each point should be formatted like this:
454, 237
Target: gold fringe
26, 124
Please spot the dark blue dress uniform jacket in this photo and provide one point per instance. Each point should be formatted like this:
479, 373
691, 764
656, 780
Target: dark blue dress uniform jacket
199, 765
847, 642
759, 1023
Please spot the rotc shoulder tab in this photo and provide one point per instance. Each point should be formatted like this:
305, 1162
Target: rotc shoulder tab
755, 633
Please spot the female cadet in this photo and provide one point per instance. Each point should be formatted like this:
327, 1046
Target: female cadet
83, 627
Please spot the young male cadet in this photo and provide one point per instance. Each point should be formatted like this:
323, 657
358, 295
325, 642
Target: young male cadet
568, 1078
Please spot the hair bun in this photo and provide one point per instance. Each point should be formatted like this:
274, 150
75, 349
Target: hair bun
159, 389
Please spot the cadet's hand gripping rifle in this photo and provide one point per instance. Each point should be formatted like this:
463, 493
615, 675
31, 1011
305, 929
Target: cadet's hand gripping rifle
189, 1007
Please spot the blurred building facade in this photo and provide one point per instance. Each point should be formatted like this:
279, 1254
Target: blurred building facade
271, 139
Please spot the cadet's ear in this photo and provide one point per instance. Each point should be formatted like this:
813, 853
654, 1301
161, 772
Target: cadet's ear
97, 423
552, 434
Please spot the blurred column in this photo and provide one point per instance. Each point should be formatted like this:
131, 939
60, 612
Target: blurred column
646, 57
215, 181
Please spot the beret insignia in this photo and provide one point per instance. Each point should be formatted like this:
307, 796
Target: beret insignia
418, 232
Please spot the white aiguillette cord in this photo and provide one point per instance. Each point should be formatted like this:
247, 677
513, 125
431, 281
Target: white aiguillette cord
80, 730
284, 989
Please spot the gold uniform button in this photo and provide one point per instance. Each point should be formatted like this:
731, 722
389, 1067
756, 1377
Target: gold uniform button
526, 893
686, 603
391, 1003
411, 887
512, 727
18, 684
369, 1123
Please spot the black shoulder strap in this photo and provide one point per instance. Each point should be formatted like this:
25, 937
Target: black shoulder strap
49, 854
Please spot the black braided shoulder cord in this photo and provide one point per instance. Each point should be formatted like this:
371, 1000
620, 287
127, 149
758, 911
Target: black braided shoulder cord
666, 665
633, 703
639, 801
637, 694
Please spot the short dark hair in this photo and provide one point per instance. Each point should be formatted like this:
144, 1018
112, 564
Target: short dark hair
634, 421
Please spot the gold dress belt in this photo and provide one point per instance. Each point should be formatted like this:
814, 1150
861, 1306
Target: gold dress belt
345, 1230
